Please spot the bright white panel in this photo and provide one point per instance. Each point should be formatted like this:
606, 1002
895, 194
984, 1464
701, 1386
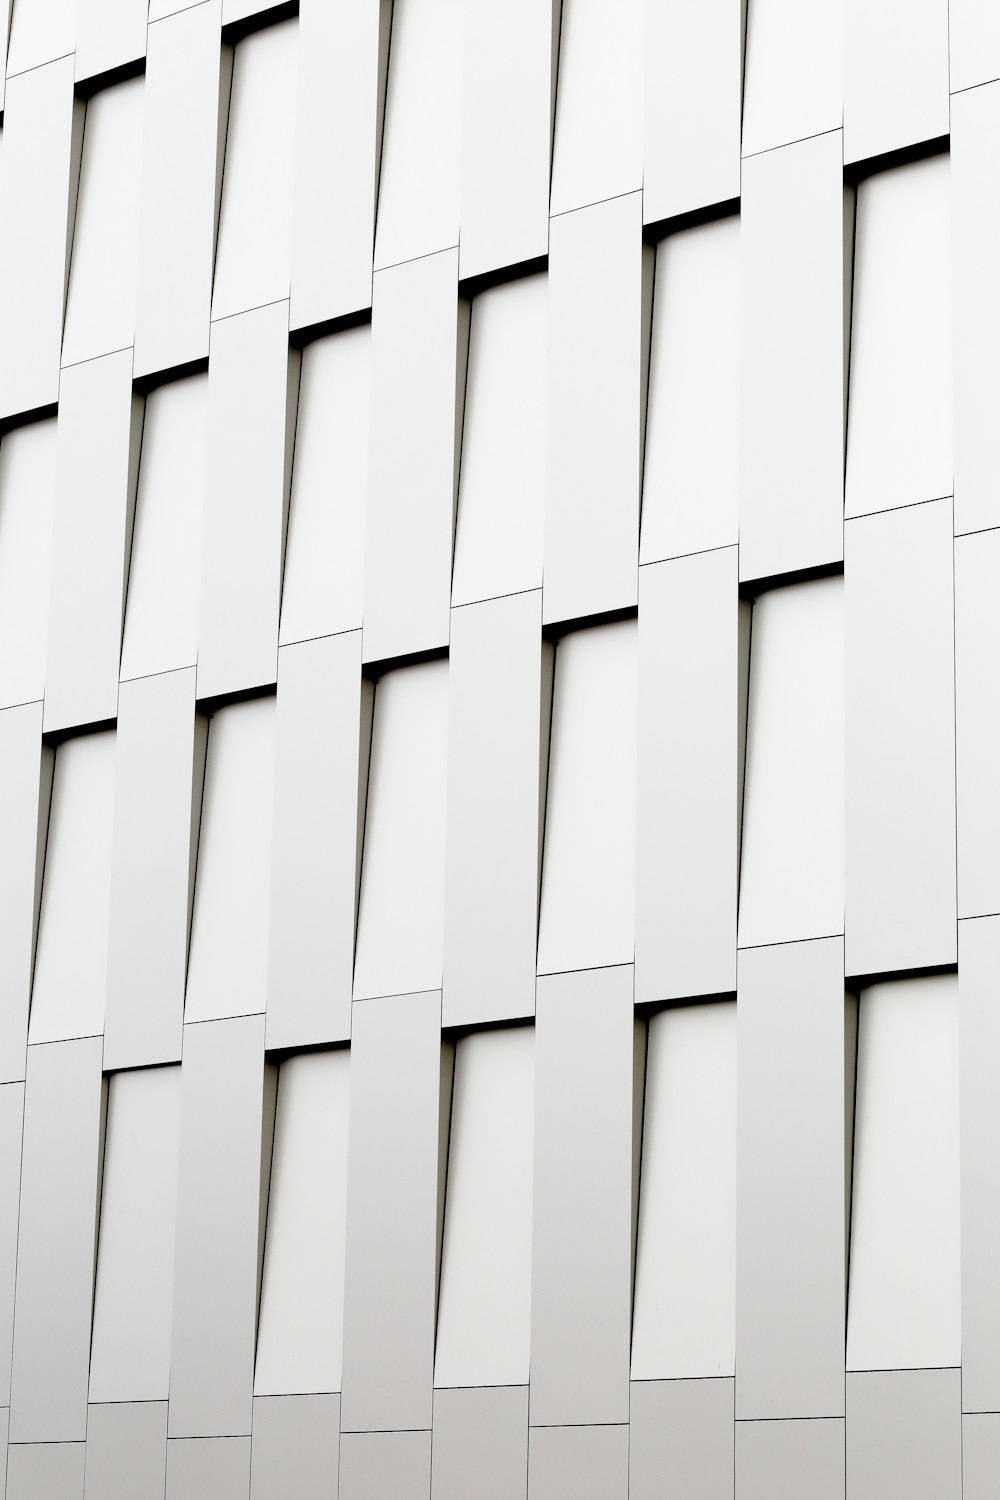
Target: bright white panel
498, 541
684, 1323
11, 1130
24, 815
792, 85
300, 1340
71, 960
27, 498
484, 1308
974, 45
895, 74
227, 970
253, 263
792, 863
130, 1352
977, 716
100, 307
691, 478
323, 588
979, 1057
40, 31
597, 149
588, 868
899, 430
401, 917
109, 34
904, 1308
418, 197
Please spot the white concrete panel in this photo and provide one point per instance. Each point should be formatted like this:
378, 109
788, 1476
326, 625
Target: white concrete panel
691, 474
895, 74
597, 147
27, 500
100, 306
11, 1123
42, 129
480, 1443
375, 1464
904, 1435
46, 1471
590, 1463
253, 263
484, 1309
323, 590
501, 498
96, 457
419, 185
296, 1440
792, 85
685, 1276
790, 1458
401, 915
792, 849
227, 970
252, 389
904, 1306
182, 155
130, 1352
980, 1455
126, 1451
24, 816
419, 347
693, 640
693, 53
900, 743
899, 423
300, 1339
161, 607
977, 722
109, 34
683, 1428
40, 31
598, 272
71, 959
212, 1469
973, 46
60, 1175
793, 209
587, 916
500, 696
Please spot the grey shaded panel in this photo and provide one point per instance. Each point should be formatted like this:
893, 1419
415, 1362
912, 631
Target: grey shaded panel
977, 722
904, 1435
480, 1443
681, 1433
46, 1471
295, 1447
377, 1465
979, 1103
208, 1468
589, 1463
789, 1460
126, 1451
24, 813
11, 1122
980, 1456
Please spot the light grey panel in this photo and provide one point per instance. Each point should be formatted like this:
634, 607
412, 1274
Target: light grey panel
499, 672
252, 389
900, 707
208, 1468
980, 1456
109, 33
977, 722
792, 209
24, 815
11, 1122
46, 1471
217, 1258
126, 1451
894, 96
159, 764
979, 1102
904, 1435
4, 1424
598, 268
791, 1191
27, 498
582, 1265
295, 1447
788, 1460
480, 1443
60, 1173
682, 1429
589, 1463
693, 635
393, 1187
374, 1465
419, 347
97, 458
321, 775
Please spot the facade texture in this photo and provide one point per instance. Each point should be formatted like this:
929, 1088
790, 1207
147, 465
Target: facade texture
500, 750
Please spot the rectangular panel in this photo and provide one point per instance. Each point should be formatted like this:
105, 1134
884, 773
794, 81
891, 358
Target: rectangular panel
42, 131
498, 539
977, 722
588, 872
60, 1173
180, 177
980, 1456
224, 1154
11, 1123
583, 1183
480, 1444
899, 421
905, 1282
376, 1464
793, 85
126, 1451
393, 1191
109, 34
97, 457
24, 817
691, 470
894, 95
597, 147
904, 1435
27, 500
401, 913
216, 1469
598, 278
296, 1441
417, 375
159, 765
591, 1463
784, 1460
252, 388
40, 31
46, 1471
693, 640
500, 670
320, 784
974, 45
683, 1428
793, 207
900, 874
